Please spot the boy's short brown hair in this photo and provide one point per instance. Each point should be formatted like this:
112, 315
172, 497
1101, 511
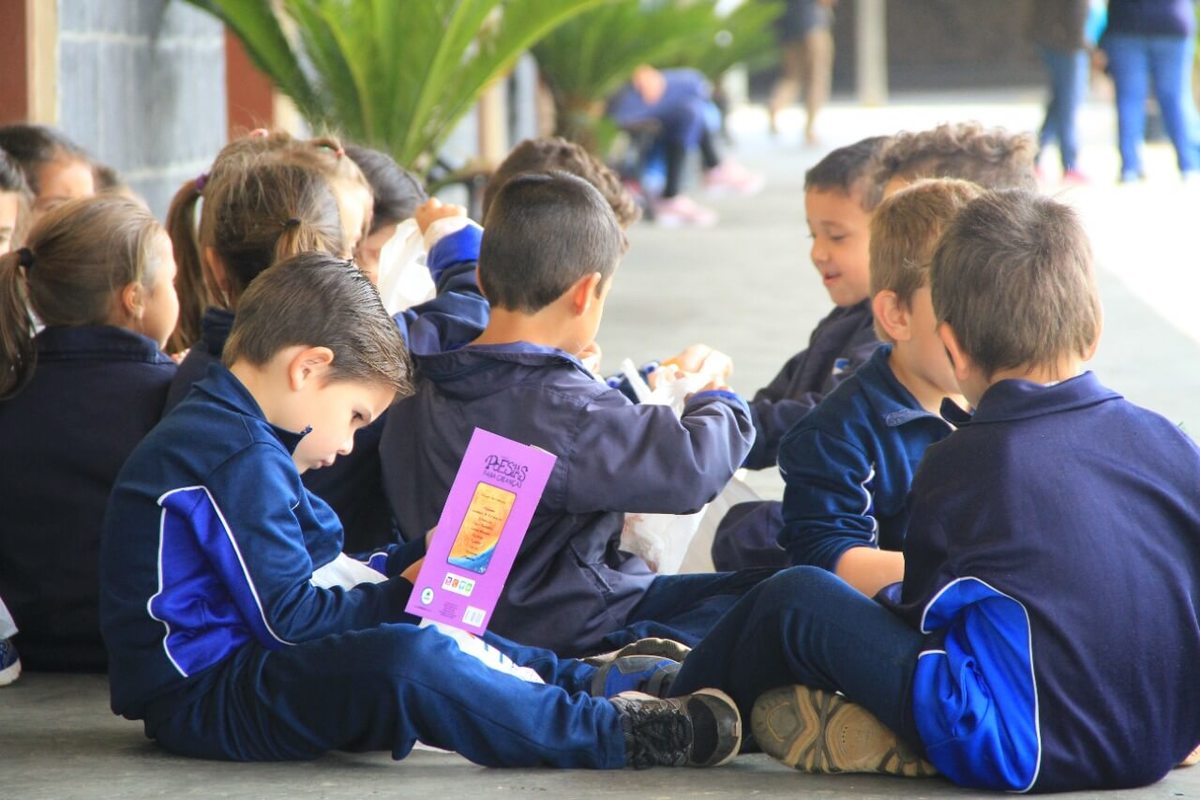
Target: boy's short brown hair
543, 232
1012, 275
848, 169
318, 300
553, 153
904, 232
992, 158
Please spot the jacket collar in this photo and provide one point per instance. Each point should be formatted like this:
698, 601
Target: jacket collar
471, 358
886, 395
223, 388
107, 342
1014, 399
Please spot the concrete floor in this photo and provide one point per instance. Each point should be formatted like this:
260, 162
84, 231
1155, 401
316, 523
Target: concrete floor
747, 287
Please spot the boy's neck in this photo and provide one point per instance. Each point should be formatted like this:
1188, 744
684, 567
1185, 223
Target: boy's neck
546, 327
262, 384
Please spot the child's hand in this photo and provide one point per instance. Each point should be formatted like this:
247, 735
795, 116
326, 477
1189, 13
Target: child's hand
666, 371
703, 359
715, 385
433, 209
590, 357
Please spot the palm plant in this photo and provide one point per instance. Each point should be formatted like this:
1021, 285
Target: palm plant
587, 59
393, 75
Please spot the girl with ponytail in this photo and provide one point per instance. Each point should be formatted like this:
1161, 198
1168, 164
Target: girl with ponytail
74, 400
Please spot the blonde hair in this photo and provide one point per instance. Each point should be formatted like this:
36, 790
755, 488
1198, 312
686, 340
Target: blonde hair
78, 257
225, 184
1013, 277
904, 232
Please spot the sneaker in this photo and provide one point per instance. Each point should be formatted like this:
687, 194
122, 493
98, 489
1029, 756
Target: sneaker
10, 662
1073, 177
730, 177
697, 730
682, 211
818, 731
650, 646
647, 674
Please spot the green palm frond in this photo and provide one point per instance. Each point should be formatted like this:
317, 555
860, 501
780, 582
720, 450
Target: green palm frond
392, 74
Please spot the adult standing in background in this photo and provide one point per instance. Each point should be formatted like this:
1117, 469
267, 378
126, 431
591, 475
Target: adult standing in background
1057, 27
806, 60
1153, 40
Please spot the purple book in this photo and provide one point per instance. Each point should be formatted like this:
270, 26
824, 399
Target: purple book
491, 502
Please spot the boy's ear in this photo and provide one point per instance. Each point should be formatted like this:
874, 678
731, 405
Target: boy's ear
958, 359
479, 283
892, 315
307, 364
584, 292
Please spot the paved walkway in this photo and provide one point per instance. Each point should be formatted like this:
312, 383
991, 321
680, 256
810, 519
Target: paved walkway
747, 287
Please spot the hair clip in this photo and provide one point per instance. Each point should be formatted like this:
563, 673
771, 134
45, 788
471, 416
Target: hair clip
259, 133
25, 258
291, 222
201, 182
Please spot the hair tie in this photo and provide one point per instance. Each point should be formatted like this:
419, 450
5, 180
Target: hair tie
201, 182
291, 222
25, 258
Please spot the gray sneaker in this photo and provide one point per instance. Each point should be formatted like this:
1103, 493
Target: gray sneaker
818, 731
702, 729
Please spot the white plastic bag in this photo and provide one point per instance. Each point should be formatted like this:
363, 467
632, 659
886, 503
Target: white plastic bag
404, 280
661, 539
699, 553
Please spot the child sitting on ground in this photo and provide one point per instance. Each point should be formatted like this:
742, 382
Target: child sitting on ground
1045, 635
848, 465
229, 635
548, 255
74, 401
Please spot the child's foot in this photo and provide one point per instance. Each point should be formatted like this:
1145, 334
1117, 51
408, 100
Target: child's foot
682, 211
10, 662
650, 675
730, 177
697, 730
818, 731
650, 646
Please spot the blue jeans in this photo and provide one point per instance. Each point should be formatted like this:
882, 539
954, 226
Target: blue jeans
1067, 70
383, 689
808, 626
685, 607
1167, 60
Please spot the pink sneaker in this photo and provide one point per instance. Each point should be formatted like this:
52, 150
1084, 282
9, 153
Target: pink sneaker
681, 211
730, 177
1074, 177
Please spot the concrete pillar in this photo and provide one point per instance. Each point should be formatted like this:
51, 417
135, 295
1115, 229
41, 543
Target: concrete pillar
870, 31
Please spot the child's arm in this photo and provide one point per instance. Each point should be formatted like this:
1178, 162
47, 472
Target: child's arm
246, 527
459, 313
828, 510
642, 458
794, 392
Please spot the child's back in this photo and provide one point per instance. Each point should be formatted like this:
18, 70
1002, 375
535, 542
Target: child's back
1067, 518
571, 585
94, 388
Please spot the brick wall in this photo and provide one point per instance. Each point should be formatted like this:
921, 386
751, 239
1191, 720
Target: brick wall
142, 88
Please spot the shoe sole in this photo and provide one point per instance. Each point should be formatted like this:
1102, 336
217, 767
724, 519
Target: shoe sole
10, 673
663, 648
736, 731
817, 731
